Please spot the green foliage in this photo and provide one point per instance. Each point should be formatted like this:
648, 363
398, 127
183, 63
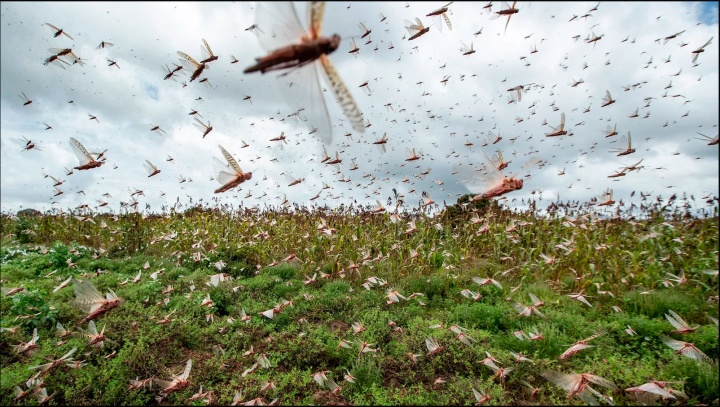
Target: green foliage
33, 309
304, 337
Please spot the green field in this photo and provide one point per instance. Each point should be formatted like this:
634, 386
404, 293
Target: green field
329, 273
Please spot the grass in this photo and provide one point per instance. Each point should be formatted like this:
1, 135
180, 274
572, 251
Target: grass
617, 263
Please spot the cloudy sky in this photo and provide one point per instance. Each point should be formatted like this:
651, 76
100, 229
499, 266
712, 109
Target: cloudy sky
424, 94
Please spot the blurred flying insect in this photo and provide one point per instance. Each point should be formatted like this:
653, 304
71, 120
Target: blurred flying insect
295, 50
354, 50
207, 53
157, 128
415, 29
685, 348
499, 162
496, 183
650, 392
592, 38
626, 141
179, 382
365, 30
29, 347
606, 198
697, 52
712, 141
151, 168
47, 367
467, 50
205, 128
170, 73
29, 145
58, 31
432, 346
578, 385
56, 60
95, 338
508, 11
607, 100
86, 159
25, 99
680, 325
192, 65
382, 141
255, 30
611, 131
480, 396
230, 175
292, 180
441, 12
559, 130
104, 44
89, 299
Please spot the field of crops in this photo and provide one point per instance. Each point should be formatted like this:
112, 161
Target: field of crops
472, 305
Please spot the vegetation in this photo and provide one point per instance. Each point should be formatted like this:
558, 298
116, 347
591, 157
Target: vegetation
325, 274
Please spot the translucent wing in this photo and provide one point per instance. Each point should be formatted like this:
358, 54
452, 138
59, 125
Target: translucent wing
447, 21
206, 52
707, 43
82, 154
564, 381
92, 329
185, 58
315, 18
149, 167
186, 372
281, 20
343, 96
200, 125
562, 121
437, 20
223, 173
623, 143
87, 297
231, 160
526, 166
70, 353
414, 28
480, 177
301, 90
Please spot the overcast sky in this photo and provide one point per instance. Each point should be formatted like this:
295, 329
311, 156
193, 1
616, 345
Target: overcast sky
447, 121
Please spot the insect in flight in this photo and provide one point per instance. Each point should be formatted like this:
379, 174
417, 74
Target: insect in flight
415, 29
151, 168
194, 66
697, 52
86, 159
441, 12
229, 175
58, 31
559, 130
495, 183
625, 141
25, 98
293, 49
205, 128
508, 11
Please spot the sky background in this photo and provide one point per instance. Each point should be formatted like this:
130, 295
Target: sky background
448, 122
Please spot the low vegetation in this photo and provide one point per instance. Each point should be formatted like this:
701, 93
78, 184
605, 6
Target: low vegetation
356, 301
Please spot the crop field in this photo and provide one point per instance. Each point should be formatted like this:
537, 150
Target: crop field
474, 305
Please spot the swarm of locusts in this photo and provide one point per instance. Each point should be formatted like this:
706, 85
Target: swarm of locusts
409, 301
298, 306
